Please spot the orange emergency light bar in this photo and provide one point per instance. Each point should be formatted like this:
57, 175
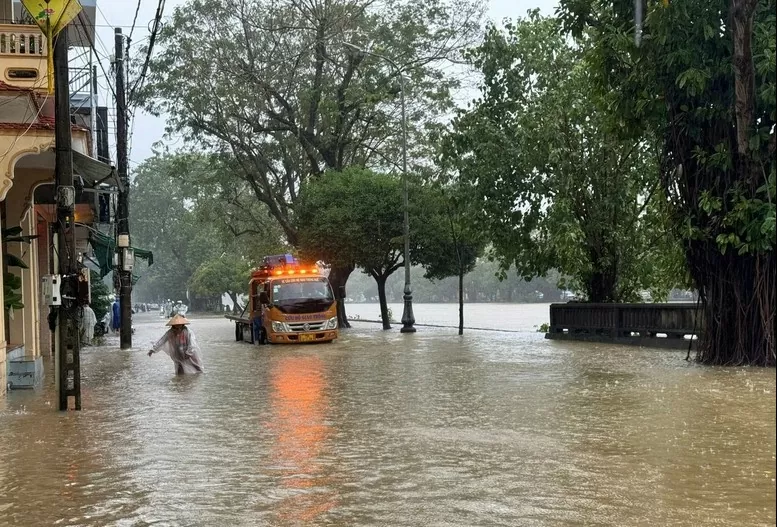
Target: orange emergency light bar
265, 271
290, 272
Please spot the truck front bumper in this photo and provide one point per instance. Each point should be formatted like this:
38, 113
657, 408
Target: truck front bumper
303, 338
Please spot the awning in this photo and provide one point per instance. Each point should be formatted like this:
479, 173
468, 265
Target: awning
104, 248
93, 265
94, 172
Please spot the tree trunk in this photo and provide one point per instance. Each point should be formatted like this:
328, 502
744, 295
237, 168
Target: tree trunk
601, 286
738, 298
338, 277
461, 301
737, 291
742, 13
384, 315
233, 296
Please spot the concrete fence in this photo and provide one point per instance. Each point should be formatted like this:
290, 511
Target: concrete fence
669, 325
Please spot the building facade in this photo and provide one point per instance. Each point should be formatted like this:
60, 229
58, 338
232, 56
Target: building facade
27, 161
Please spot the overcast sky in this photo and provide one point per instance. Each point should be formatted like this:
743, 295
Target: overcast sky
148, 129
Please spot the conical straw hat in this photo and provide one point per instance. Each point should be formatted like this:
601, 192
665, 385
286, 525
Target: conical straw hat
178, 320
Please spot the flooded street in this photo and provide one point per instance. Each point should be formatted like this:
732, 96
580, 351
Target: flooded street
381, 428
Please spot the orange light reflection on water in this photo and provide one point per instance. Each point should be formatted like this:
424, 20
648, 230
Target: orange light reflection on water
299, 403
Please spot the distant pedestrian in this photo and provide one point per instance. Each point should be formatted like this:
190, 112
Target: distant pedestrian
106, 322
116, 318
86, 324
179, 343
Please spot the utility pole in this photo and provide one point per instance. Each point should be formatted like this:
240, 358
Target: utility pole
68, 353
126, 258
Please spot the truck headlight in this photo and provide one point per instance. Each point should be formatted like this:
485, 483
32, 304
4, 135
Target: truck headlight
279, 327
331, 323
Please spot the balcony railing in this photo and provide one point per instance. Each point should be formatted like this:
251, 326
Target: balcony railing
21, 41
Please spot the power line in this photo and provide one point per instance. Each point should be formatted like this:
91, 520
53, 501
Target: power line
108, 24
154, 31
32, 122
134, 21
103, 15
91, 44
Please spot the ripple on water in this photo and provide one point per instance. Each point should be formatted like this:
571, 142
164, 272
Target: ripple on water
381, 428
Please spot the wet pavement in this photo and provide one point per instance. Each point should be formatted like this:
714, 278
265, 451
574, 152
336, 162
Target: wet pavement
381, 428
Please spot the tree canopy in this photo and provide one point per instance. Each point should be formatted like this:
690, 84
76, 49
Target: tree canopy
276, 87
702, 84
542, 155
185, 210
222, 275
355, 217
286, 98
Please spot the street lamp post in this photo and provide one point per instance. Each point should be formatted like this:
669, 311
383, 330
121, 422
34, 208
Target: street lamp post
408, 320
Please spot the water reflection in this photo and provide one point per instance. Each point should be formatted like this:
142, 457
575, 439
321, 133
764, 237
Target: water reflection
300, 406
381, 428
75, 478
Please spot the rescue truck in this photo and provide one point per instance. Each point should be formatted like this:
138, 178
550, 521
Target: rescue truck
288, 303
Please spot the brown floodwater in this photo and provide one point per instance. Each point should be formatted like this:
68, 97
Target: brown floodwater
381, 428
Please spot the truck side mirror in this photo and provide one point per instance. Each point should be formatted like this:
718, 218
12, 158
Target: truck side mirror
341, 292
263, 298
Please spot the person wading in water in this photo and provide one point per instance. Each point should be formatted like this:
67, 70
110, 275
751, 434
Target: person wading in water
179, 343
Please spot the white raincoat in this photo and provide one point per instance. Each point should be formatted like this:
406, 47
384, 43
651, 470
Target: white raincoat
182, 347
86, 324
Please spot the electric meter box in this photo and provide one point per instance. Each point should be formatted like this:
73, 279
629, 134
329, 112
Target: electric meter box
50, 286
129, 259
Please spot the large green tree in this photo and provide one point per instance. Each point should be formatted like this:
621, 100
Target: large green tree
275, 85
542, 154
355, 217
162, 222
204, 233
226, 203
702, 82
222, 275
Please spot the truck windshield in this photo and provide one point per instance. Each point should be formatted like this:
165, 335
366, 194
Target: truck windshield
299, 292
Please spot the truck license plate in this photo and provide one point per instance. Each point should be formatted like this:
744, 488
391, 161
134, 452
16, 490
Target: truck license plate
306, 338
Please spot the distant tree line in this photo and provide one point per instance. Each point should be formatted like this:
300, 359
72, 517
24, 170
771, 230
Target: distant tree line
480, 285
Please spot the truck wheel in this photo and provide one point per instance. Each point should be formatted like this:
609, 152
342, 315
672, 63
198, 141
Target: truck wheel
238, 332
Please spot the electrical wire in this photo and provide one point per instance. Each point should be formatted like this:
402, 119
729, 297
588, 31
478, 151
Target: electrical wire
32, 122
91, 44
134, 21
112, 113
154, 32
107, 22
